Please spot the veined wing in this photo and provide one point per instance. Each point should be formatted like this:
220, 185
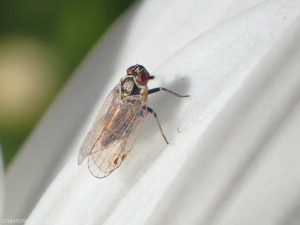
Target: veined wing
103, 115
103, 161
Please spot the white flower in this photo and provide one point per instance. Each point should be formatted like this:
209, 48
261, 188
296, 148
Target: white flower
236, 157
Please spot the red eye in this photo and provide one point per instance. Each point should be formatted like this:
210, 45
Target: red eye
143, 77
130, 69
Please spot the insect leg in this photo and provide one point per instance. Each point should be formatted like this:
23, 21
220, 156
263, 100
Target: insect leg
148, 109
154, 90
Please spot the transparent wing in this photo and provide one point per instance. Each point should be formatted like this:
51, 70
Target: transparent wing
103, 162
97, 127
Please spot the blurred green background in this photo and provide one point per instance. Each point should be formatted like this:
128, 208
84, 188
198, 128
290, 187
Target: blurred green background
41, 44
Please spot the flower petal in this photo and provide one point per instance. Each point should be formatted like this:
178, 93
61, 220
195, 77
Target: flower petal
213, 68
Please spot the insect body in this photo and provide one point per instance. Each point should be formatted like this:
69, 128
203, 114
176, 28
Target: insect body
118, 123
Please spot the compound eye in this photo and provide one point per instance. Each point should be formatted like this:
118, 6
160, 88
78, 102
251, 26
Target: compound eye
143, 77
130, 69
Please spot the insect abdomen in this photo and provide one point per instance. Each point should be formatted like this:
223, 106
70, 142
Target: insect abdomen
119, 126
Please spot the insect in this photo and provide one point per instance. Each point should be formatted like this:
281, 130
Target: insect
119, 121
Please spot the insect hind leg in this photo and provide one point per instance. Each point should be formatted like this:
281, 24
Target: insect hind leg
154, 90
148, 109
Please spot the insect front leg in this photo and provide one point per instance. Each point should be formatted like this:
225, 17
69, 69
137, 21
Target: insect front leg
154, 90
148, 109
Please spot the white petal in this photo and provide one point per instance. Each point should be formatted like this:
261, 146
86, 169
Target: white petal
229, 117
2, 183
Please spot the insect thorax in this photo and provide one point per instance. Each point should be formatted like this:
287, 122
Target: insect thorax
129, 87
